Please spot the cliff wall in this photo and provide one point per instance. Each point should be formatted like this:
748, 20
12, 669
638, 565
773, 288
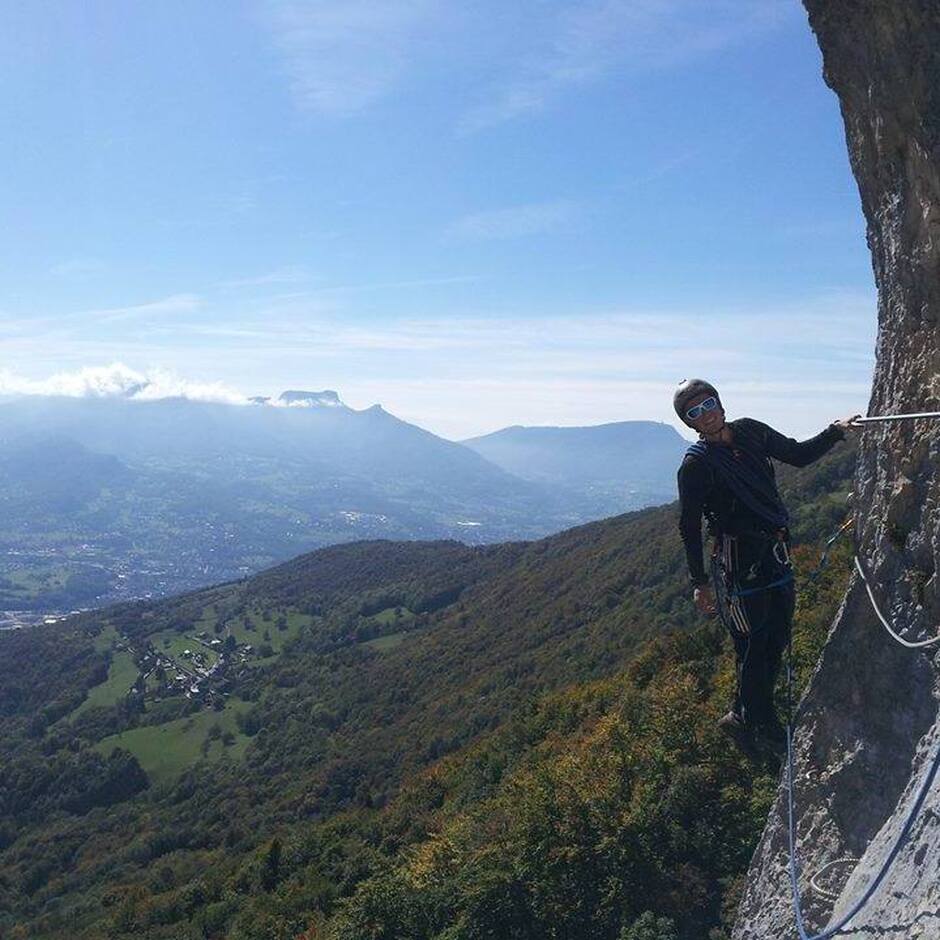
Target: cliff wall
868, 727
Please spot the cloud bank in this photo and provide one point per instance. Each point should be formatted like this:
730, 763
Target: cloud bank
119, 381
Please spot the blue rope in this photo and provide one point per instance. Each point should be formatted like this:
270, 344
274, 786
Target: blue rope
786, 579
791, 828
886, 865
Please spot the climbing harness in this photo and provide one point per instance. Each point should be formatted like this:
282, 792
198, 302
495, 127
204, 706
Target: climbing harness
734, 620
912, 815
782, 556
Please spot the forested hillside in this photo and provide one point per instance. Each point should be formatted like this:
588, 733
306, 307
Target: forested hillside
396, 740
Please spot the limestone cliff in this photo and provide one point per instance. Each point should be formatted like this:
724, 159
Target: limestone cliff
868, 726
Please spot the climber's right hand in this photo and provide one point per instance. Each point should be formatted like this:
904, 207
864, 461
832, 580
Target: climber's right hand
845, 425
704, 598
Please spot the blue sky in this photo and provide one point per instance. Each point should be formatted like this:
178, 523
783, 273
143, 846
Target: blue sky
476, 214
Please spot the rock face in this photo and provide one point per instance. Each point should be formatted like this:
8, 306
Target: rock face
868, 727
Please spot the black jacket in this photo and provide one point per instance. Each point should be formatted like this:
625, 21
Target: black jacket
703, 493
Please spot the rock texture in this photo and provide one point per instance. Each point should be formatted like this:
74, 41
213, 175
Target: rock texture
868, 727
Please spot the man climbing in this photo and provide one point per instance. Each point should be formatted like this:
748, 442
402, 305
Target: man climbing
727, 476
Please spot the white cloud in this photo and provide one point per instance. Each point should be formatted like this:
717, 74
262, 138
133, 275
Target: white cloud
514, 221
583, 42
397, 285
286, 275
177, 303
834, 327
797, 365
341, 57
78, 267
119, 381
35, 330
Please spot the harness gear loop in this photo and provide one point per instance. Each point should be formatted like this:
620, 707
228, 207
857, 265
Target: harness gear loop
780, 551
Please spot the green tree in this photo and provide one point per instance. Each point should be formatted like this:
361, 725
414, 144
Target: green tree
650, 927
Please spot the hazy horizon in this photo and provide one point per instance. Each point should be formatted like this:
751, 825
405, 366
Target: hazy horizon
121, 383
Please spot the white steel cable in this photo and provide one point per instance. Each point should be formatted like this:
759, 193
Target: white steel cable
923, 414
908, 643
825, 892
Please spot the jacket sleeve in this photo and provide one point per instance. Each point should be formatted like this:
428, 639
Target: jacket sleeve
693, 486
800, 453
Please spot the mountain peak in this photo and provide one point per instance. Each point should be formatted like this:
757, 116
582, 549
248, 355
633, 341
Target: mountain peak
325, 399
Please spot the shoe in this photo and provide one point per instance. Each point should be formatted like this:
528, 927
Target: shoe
733, 725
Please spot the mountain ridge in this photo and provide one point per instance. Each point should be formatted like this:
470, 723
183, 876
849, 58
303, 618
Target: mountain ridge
215, 491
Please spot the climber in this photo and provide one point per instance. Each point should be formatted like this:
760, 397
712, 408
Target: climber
728, 477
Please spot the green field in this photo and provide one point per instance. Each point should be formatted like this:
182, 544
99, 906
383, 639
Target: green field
386, 642
165, 751
277, 639
106, 639
32, 579
20, 585
387, 616
121, 676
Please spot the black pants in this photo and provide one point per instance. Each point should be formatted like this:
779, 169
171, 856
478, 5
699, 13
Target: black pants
759, 621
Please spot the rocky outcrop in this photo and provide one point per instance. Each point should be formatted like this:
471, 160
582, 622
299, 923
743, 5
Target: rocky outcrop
868, 727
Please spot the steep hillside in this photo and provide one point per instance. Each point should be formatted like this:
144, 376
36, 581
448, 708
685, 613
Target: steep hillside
236, 761
868, 728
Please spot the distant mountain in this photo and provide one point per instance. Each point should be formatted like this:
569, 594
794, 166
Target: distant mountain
610, 466
59, 474
137, 498
114, 497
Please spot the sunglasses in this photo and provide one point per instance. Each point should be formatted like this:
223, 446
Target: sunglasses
710, 404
